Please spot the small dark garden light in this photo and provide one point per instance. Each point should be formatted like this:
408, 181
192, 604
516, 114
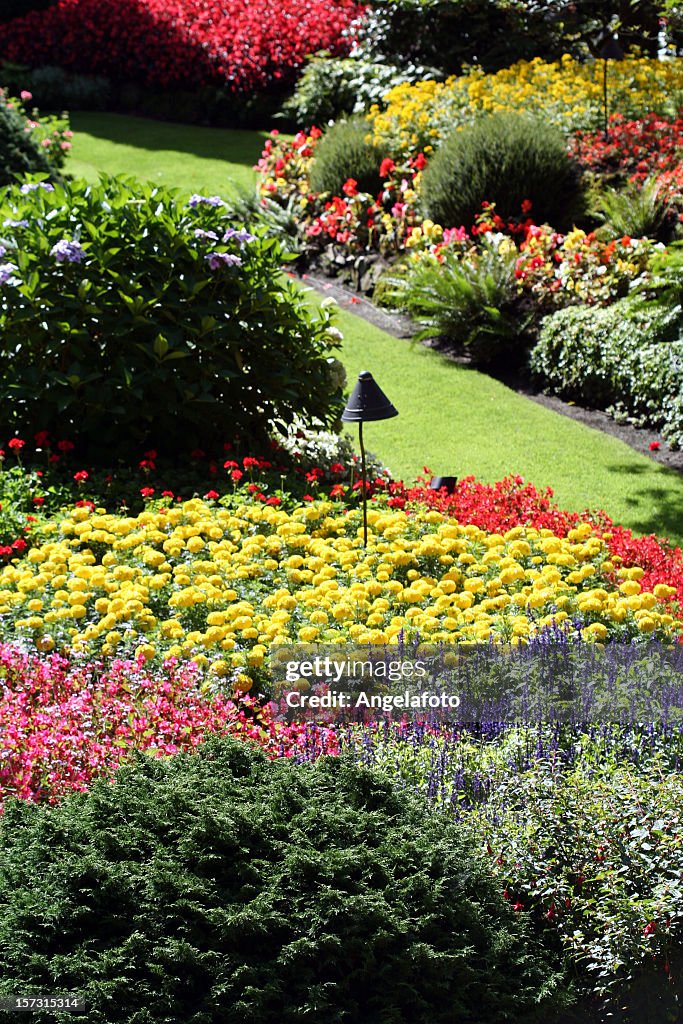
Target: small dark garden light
367, 402
449, 482
609, 51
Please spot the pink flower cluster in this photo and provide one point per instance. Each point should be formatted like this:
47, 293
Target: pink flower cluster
64, 723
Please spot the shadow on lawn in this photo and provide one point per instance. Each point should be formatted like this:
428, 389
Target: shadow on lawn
237, 146
659, 507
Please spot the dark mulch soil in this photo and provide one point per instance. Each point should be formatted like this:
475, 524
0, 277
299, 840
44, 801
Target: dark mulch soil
638, 438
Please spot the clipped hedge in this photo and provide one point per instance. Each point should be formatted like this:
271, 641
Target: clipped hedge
344, 152
504, 159
221, 887
129, 318
620, 358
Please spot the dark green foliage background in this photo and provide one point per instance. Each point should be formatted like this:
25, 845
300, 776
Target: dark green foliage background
221, 887
16, 8
503, 159
493, 34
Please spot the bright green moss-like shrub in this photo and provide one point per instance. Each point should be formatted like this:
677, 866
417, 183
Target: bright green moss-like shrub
503, 159
223, 887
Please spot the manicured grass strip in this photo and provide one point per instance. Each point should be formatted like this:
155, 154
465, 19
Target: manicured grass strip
214, 160
459, 422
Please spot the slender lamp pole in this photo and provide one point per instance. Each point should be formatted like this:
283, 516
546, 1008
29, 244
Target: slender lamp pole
367, 402
610, 51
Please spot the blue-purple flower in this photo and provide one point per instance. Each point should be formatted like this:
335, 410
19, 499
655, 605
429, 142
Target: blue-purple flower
68, 252
216, 260
32, 186
201, 233
238, 236
9, 223
197, 200
7, 271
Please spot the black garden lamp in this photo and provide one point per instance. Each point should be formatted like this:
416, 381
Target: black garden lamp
609, 51
447, 482
367, 402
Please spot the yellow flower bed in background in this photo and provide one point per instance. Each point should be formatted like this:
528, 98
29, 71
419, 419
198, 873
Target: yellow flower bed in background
567, 93
221, 585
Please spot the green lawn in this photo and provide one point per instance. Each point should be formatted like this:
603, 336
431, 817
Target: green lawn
188, 157
459, 422
454, 420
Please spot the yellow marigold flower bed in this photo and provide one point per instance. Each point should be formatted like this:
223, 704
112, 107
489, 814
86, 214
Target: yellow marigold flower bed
220, 585
567, 93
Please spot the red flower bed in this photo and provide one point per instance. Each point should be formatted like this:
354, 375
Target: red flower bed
636, 150
247, 45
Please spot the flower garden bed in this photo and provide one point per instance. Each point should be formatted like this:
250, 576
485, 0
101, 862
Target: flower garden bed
145, 579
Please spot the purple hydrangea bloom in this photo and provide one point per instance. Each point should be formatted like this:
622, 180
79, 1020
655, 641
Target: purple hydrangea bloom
216, 260
239, 236
6, 274
197, 200
200, 233
31, 186
67, 252
15, 223
3, 250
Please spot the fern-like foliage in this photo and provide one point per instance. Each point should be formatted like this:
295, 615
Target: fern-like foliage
473, 301
636, 210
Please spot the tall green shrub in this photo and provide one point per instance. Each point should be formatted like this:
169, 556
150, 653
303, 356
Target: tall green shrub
504, 159
128, 317
221, 887
345, 152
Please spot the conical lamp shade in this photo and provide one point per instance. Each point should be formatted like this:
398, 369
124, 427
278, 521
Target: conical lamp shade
367, 402
611, 50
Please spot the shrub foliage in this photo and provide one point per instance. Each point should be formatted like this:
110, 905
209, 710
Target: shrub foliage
223, 887
624, 359
504, 159
19, 152
129, 317
345, 152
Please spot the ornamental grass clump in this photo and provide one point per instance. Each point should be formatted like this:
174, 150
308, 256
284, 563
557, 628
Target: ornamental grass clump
220, 886
508, 159
133, 320
344, 152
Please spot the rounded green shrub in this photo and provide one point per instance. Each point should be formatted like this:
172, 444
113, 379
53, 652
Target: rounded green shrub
19, 152
223, 887
503, 159
345, 152
129, 318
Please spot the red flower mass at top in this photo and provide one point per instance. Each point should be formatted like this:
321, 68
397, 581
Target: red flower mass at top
248, 45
